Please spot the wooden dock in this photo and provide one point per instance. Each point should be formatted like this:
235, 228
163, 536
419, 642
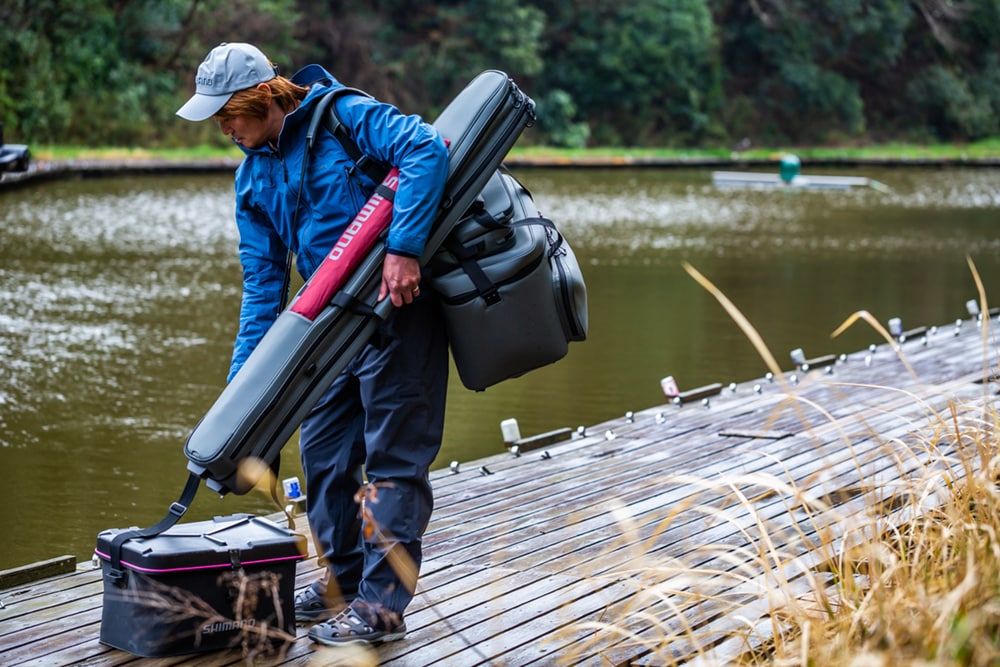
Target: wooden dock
685, 524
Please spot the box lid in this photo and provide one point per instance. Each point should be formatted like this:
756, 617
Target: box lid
223, 542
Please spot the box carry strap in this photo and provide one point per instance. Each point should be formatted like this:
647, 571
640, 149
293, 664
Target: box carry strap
176, 511
116, 573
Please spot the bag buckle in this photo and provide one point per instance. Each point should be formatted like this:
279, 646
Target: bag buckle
116, 575
492, 297
177, 509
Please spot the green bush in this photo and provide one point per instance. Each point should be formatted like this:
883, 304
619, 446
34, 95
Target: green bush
947, 104
557, 121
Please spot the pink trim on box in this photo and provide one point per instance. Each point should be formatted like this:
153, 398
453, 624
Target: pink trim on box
150, 570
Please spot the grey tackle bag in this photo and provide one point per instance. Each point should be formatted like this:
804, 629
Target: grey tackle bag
512, 292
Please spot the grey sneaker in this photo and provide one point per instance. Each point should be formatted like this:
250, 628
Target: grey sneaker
312, 606
348, 627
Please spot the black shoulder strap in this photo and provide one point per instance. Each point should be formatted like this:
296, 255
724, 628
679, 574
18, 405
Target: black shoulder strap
116, 573
176, 511
555, 236
325, 114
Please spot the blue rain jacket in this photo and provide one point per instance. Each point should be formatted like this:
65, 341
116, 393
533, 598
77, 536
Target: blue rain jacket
272, 219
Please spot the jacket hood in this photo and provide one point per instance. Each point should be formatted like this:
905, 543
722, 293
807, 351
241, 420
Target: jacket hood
319, 81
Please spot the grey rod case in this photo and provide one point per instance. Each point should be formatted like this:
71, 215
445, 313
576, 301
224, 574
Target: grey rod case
297, 359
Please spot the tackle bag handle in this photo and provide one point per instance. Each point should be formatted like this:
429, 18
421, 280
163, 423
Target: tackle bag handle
468, 257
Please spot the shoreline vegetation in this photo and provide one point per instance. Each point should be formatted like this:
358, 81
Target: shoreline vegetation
55, 162
987, 151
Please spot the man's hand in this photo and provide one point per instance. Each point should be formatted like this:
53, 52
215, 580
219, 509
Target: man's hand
400, 279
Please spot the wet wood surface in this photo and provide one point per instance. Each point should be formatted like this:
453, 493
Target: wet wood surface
671, 523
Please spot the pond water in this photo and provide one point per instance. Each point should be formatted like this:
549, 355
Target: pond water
119, 298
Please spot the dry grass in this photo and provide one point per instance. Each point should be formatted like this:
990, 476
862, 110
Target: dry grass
900, 568
187, 616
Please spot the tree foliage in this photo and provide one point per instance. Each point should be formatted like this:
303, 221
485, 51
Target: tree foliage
641, 71
645, 72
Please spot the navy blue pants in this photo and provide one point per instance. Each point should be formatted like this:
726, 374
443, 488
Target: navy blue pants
383, 415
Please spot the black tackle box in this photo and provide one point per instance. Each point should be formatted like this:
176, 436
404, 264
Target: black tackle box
201, 586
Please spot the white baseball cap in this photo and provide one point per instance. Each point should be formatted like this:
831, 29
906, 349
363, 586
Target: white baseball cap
226, 69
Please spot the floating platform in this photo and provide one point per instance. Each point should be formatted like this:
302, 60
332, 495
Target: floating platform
672, 523
753, 179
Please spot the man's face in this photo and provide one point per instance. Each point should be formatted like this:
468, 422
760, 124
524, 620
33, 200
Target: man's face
246, 131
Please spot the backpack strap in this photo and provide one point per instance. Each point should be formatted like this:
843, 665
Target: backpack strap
325, 114
555, 236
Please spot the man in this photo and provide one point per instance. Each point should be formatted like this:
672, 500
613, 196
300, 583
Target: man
378, 427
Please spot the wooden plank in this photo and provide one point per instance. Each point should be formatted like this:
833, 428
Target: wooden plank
39, 597
557, 498
691, 616
599, 503
19, 576
534, 442
742, 612
471, 621
756, 435
701, 392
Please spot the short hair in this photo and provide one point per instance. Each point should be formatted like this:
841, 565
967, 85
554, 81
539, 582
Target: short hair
254, 101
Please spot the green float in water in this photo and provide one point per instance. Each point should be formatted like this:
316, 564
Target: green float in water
788, 177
